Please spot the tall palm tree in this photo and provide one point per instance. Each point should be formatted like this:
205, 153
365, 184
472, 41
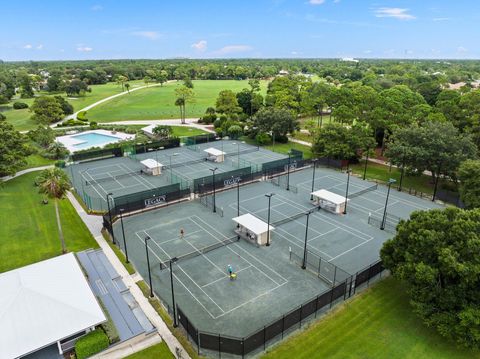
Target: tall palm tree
55, 183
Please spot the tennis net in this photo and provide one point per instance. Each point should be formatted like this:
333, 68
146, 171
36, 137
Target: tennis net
201, 251
95, 181
241, 152
293, 217
180, 164
363, 191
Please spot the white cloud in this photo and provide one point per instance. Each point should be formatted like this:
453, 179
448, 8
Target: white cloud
367, 52
96, 7
84, 48
462, 49
316, 2
151, 35
336, 1
200, 46
395, 12
230, 49
40, 47
27, 46
441, 19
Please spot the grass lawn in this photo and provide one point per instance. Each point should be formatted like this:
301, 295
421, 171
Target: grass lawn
302, 136
28, 233
21, 118
181, 131
285, 147
158, 102
35, 160
377, 324
380, 172
158, 351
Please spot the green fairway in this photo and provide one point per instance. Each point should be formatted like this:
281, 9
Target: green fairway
21, 118
378, 324
158, 351
159, 102
29, 233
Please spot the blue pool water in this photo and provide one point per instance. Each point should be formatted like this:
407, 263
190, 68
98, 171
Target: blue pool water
94, 139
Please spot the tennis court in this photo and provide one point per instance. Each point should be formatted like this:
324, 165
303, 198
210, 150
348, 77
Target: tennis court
123, 175
269, 281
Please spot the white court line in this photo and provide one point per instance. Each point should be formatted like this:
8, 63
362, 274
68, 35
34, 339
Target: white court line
251, 300
351, 249
204, 256
300, 245
173, 239
94, 187
178, 265
140, 179
224, 277
109, 174
178, 279
237, 246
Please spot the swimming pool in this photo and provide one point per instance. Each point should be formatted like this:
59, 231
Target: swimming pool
93, 139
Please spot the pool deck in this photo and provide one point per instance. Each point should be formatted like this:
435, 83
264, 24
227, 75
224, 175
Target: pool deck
70, 142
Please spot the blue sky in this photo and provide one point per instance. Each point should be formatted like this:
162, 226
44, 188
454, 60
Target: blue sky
109, 29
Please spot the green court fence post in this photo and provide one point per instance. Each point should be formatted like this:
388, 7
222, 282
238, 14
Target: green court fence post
334, 275
366, 164
301, 312
331, 298
123, 233
219, 347
316, 306
264, 337
283, 324
288, 171
110, 215
198, 342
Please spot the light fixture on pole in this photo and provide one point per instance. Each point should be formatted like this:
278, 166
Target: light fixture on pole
384, 219
123, 233
269, 196
213, 183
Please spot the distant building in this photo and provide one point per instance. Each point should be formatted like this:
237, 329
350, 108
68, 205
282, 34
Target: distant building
46, 305
348, 59
283, 73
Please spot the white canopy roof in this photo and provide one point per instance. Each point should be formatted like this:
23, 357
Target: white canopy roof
214, 151
43, 303
151, 163
252, 223
329, 196
149, 129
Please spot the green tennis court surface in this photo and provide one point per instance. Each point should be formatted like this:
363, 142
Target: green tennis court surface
270, 281
123, 175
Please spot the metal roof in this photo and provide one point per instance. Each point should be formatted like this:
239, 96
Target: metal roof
43, 303
329, 196
252, 223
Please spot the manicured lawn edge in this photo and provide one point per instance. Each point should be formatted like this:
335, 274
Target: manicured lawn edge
128, 266
159, 350
178, 333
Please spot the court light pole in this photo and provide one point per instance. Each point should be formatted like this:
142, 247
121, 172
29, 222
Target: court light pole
288, 170
313, 178
175, 323
213, 179
304, 262
238, 200
268, 217
147, 238
346, 193
110, 215
123, 233
390, 182
366, 163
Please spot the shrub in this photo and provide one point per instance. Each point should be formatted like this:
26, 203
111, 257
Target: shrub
92, 343
2, 117
209, 119
235, 131
93, 125
82, 116
19, 105
262, 138
60, 164
217, 123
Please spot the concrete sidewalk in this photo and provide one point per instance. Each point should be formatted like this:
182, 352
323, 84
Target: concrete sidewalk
22, 172
94, 224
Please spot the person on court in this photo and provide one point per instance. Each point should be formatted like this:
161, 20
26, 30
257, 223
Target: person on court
230, 270
182, 233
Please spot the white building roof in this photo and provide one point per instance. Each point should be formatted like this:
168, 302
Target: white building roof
151, 163
214, 151
149, 129
43, 303
329, 196
252, 223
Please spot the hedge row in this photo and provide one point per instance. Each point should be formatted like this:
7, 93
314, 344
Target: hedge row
92, 343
